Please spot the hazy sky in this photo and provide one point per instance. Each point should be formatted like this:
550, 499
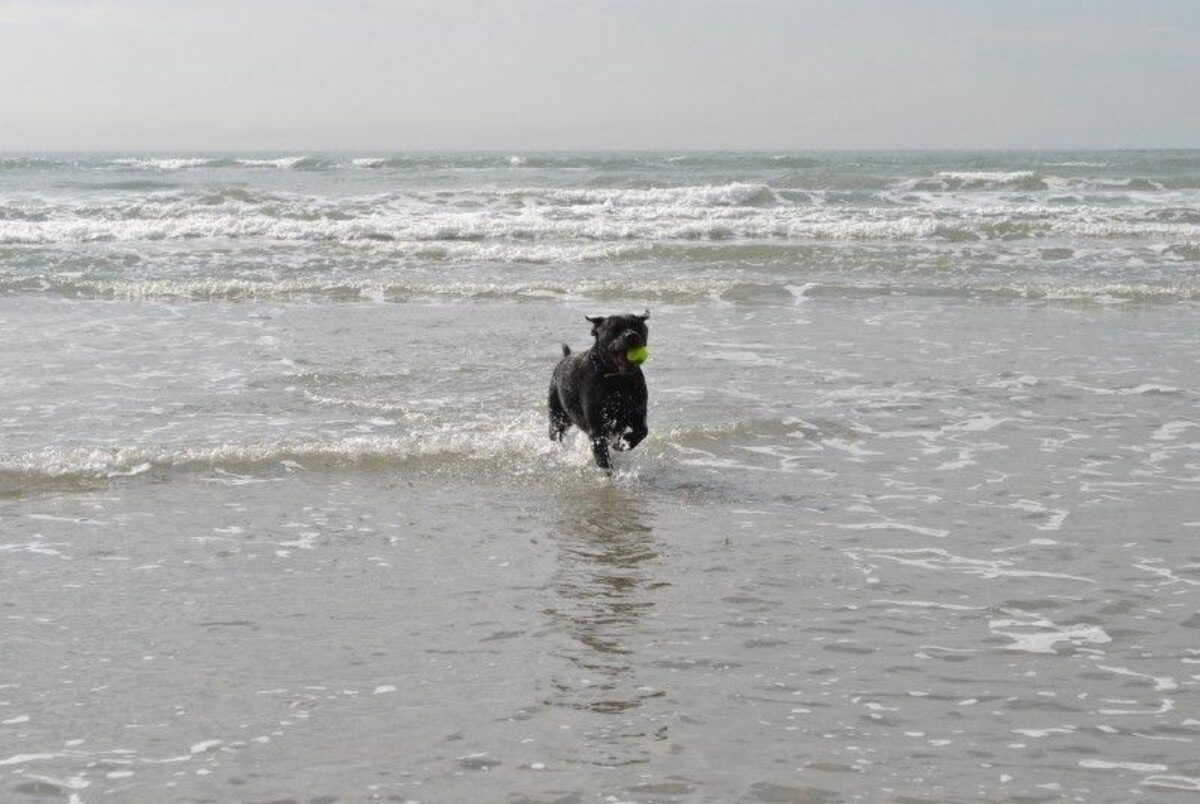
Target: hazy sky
528, 74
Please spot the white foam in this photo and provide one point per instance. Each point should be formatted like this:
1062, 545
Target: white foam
986, 176
936, 533
1151, 565
1054, 516
1165, 705
37, 546
1161, 683
204, 746
306, 541
22, 759
1172, 430
70, 519
930, 604
283, 163
164, 164
976, 423
521, 441
1018, 628
1142, 388
799, 292
939, 559
1173, 782
1040, 733
736, 212
1104, 764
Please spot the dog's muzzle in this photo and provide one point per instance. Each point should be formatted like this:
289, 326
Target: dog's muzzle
620, 347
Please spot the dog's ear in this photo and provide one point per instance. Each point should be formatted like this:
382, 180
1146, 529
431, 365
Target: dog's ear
597, 322
644, 316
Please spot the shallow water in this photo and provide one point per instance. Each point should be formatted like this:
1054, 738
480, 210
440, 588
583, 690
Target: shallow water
917, 519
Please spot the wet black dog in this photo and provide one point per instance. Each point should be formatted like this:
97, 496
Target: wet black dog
600, 391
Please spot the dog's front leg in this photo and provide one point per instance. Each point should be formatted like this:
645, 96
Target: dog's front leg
632, 430
637, 431
601, 421
600, 451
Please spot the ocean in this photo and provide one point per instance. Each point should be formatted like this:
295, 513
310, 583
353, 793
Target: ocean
918, 517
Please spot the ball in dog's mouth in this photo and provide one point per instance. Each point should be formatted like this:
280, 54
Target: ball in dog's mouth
637, 355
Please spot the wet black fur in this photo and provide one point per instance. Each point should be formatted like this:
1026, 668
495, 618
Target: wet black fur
600, 391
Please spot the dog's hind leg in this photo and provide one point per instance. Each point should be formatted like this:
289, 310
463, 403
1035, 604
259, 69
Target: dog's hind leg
559, 421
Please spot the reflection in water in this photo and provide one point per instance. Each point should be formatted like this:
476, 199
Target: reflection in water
603, 589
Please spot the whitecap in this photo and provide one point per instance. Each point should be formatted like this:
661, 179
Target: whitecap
991, 176
162, 164
283, 162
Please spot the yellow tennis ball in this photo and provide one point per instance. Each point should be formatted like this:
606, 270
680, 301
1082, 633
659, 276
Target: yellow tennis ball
637, 355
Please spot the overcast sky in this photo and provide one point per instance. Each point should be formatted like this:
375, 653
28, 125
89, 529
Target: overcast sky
580, 74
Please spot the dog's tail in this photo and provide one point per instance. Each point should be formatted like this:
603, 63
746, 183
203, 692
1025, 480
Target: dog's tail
566, 350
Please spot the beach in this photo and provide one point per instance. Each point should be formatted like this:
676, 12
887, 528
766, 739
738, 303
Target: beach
916, 520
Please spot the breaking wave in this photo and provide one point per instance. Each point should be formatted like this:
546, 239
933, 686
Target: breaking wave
514, 445
518, 446
177, 163
735, 212
677, 289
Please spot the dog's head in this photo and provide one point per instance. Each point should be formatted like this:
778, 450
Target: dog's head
616, 335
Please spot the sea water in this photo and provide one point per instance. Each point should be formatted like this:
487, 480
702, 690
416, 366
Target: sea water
918, 518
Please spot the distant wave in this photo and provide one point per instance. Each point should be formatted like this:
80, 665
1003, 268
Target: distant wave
178, 163
29, 162
1033, 181
948, 180
986, 176
166, 164
1003, 167
286, 163
163, 164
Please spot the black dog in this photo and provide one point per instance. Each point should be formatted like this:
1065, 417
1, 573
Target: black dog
600, 391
